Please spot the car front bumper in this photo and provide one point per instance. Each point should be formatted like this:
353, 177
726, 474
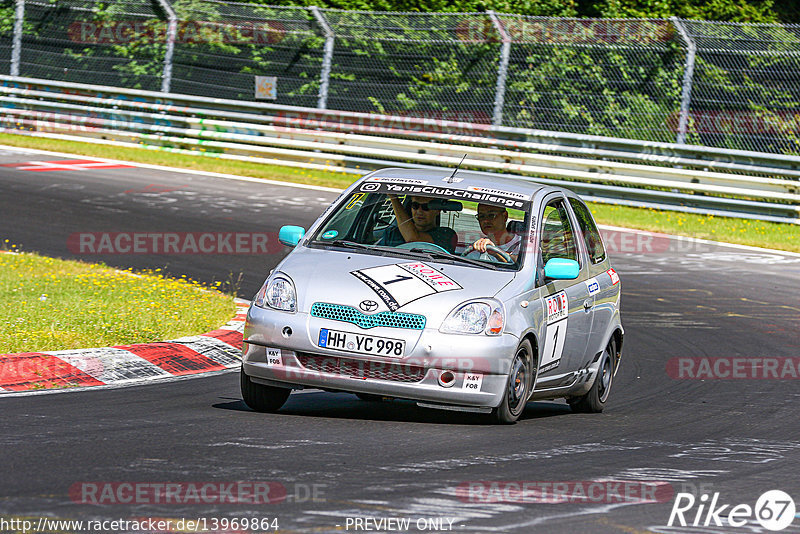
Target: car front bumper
479, 364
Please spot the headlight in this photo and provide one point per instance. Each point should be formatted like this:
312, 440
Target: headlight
277, 293
475, 318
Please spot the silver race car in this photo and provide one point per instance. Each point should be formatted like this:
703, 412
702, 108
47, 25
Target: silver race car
460, 291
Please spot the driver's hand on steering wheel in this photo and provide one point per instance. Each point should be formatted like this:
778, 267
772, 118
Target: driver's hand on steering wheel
481, 244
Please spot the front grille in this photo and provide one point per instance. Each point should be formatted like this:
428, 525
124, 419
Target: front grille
392, 371
348, 314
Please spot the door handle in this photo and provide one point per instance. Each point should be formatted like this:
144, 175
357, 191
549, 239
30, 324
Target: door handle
587, 304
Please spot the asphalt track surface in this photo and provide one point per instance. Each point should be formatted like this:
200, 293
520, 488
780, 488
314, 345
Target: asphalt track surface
739, 438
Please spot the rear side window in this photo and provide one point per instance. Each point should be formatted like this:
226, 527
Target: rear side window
594, 244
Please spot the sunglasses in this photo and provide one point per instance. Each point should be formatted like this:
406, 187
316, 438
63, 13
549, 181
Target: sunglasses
418, 206
486, 216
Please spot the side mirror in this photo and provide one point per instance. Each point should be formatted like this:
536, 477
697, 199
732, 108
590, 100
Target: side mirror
291, 235
562, 269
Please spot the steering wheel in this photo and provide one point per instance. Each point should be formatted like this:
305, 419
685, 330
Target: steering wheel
422, 245
505, 257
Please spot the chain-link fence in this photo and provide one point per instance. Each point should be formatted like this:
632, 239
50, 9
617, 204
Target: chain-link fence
745, 92
92, 42
709, 83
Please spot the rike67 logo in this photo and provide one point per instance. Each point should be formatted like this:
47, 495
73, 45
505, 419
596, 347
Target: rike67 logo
774, 510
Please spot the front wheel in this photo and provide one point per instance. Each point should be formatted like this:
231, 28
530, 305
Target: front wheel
518, 389
595, 400
262, 398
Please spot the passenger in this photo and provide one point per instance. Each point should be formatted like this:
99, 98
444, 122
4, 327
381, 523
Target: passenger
421, 225
493, 221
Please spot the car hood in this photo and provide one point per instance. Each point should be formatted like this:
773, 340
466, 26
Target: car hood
387, 283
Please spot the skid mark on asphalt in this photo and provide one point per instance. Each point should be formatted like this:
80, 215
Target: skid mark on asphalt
179, 200
663, 320
290, 444
720, 260
764, 312
750, 451
456, 463
751, 526
673, 476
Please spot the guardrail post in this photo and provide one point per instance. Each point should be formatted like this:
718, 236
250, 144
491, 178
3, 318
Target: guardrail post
327, 58
16, 47
172, 32
688, 78
502, 69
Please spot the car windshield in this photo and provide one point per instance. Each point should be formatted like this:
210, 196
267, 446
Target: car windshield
432, 222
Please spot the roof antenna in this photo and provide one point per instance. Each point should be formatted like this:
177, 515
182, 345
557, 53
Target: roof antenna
450, 180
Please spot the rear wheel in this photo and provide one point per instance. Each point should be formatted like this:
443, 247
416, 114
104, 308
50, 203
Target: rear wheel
595, 400
262, 398
519, 386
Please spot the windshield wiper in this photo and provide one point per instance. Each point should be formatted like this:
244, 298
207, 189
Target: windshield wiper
348, 244
448, 256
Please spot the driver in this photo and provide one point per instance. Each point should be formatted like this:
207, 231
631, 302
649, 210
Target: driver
493, 220
421, 225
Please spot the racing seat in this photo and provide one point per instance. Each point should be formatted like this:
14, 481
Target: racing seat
516, 227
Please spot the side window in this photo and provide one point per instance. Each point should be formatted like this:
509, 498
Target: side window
558, 238
594, 244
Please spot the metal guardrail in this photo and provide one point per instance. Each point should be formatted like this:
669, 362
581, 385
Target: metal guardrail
687, 178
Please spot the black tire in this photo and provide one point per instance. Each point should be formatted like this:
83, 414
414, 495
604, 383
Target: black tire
262, 398
369, 397
521, 379
595, 400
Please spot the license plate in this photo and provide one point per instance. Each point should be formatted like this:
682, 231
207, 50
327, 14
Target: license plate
352, 342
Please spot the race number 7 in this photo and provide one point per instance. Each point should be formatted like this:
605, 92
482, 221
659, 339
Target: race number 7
399, 278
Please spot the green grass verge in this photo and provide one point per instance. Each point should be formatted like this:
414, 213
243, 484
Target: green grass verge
732, 230
53, 304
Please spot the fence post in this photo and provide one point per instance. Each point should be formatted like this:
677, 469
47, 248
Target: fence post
172, 31
327, 58
502, 69
688, 78
16, 47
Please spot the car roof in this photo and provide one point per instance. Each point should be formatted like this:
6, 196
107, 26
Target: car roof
464, 179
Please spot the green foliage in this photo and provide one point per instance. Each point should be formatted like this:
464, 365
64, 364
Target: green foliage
724, 10
6, 19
